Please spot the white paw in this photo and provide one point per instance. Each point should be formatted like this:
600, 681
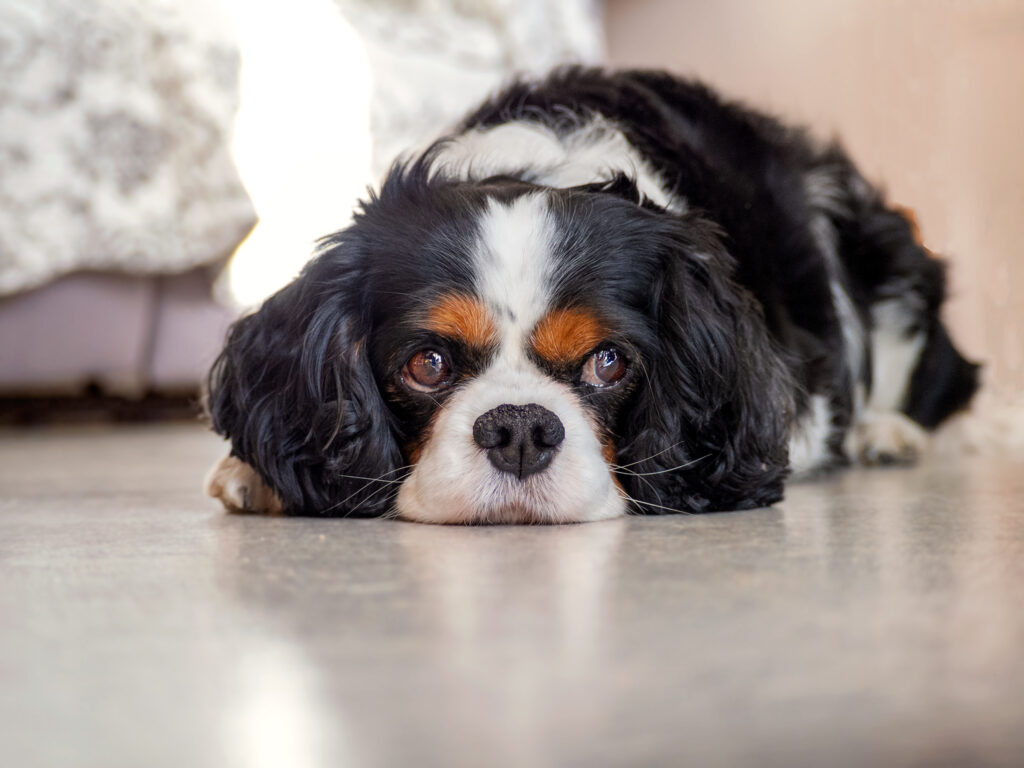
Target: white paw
887, 438
240, 488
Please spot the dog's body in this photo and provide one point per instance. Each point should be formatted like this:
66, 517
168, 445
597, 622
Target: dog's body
602, 291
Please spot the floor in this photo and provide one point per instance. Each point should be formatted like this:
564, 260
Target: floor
874, 618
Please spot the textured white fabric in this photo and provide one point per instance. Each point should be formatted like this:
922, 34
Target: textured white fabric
432, 60
114, 125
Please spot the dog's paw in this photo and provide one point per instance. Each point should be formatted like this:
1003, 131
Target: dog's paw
240, 489
887, 438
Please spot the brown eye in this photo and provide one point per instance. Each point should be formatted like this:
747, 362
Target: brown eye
426, 371
604, 368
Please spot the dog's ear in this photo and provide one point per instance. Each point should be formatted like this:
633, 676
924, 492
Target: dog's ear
709, 430
294, 392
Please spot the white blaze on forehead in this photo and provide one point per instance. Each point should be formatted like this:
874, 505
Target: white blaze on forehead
515, 267
453, 480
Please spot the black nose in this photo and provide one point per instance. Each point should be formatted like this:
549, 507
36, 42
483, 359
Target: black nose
519, 439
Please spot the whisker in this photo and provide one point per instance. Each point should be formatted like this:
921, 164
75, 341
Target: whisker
392, 512
372, 495
368, 497
641, 461
663, 471
370, 479
626, 496
658, 506
396, 469
380, 476
365, 485
436, 402
642, 479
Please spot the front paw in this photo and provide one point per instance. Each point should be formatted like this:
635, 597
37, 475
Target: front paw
887, 438
240, 488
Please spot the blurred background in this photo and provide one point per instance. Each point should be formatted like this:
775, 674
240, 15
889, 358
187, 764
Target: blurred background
165, 165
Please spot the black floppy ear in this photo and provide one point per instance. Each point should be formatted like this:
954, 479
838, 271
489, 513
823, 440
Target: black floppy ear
719, 403
294, 392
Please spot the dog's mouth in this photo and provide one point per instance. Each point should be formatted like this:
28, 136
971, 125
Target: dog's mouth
508, 502
511, 514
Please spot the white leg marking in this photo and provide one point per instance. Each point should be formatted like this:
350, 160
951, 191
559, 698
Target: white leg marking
886, 437
825, 195
882, 434
808, 446
894, 354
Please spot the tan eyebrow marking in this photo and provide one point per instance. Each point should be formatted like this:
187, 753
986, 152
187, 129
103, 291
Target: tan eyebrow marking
465, 318
566, 335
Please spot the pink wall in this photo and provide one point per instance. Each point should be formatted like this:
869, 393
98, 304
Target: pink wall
928, 97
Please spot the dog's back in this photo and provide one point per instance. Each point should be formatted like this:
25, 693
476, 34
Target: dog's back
848, 291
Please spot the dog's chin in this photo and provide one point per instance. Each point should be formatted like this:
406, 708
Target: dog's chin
447, 508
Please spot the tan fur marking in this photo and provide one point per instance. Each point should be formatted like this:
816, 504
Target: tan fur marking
413, 449
414, 446
566, 335
240, 488
608, 450
465, 318
911, 218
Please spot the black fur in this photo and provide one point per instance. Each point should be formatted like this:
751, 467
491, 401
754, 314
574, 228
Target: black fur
715, 403
727, 310
294, 391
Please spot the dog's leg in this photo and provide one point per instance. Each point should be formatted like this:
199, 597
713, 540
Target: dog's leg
915, 377
886, 437
240, 488
883, 433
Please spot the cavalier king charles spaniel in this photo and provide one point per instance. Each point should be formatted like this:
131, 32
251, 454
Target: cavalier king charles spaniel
603, 293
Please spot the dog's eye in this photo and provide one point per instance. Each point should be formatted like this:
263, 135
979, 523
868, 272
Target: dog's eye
604, 368
427, 371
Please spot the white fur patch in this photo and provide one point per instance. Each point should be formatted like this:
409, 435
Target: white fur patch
592, 152
894, 354
808, 445
454, 482
514, 268
824, 194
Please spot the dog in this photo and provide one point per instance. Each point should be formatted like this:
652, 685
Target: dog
603, 293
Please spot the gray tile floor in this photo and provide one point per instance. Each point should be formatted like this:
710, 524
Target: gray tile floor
874, 618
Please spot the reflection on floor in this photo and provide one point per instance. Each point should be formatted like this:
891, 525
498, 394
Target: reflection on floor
873, 618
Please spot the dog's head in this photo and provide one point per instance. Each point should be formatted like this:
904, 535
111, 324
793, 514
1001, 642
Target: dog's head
498, 351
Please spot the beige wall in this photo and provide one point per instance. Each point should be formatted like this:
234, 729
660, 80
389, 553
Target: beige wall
928, 97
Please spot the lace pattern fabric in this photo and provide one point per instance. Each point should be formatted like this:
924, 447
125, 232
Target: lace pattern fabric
115, 119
